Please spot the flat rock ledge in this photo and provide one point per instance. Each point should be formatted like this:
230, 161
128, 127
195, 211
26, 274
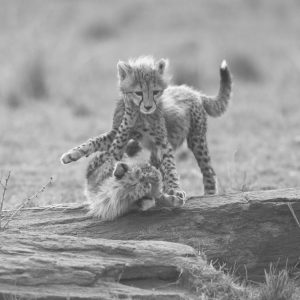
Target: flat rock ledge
58, 252
51, 266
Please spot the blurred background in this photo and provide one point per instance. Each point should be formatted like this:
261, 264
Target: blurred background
58, 86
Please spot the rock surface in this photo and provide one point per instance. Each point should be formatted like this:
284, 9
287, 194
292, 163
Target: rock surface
50, 266
46, 249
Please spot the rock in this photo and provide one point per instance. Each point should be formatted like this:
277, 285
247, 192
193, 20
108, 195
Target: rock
48, 266
45, 249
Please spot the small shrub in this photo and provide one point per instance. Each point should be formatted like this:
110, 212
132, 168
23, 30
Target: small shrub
100, 31
13, 100
33, 81
81, 110
241, 175
244, 68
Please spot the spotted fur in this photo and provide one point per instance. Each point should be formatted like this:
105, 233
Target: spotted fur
115, 187
161, 117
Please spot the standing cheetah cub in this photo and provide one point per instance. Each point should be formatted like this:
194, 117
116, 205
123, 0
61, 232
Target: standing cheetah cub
115, 187
161, 116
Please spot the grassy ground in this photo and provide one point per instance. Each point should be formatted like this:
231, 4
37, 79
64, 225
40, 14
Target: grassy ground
58, 85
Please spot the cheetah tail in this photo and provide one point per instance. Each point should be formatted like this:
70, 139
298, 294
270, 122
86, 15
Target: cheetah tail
216, 105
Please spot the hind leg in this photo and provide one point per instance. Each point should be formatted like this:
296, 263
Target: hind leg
198, 144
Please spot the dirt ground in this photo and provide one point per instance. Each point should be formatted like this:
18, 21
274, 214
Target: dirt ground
58, 86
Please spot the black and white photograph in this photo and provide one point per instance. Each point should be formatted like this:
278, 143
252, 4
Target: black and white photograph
150, 149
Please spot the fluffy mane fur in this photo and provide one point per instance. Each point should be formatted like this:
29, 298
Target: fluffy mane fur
114, 188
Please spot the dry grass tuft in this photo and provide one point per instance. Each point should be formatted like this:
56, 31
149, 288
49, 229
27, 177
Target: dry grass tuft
4, 186
221, 285
240, 174
23, 203
277, 286
214, 284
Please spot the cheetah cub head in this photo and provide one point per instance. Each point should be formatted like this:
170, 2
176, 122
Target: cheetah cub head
137, 173
142, 81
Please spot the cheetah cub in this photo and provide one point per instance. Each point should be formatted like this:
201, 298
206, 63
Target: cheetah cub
115, 187
160, 116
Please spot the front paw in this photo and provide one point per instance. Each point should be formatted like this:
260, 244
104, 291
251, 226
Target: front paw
212, 188
174, 197
178, 193
70, 156
75, 154
212, 192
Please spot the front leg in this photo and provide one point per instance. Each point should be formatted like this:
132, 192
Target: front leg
99, 143
171, 179
123, 135
163, 156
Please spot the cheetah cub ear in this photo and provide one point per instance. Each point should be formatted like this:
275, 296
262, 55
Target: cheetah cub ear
120, 170
124, 69
162, 65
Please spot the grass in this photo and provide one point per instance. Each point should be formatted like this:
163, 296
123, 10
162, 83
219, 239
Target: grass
58, 86
4, 221
4, 186
277, 286
210, 284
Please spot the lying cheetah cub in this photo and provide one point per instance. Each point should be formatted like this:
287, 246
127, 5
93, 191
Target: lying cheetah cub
161, 117
115, 187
